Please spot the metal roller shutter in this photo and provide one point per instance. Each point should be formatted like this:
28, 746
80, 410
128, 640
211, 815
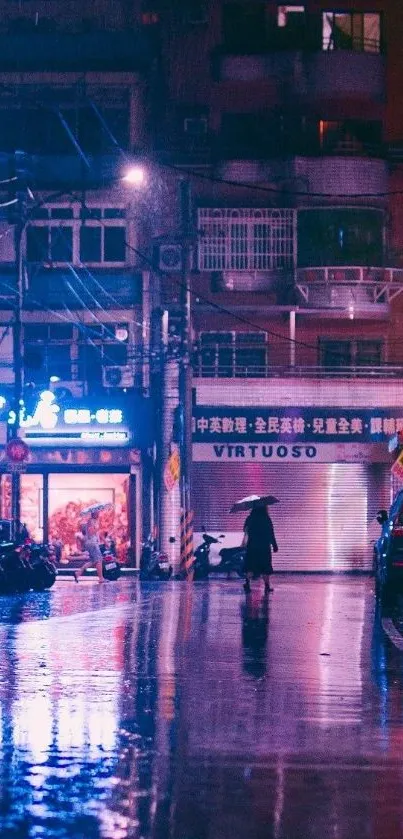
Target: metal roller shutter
322, 520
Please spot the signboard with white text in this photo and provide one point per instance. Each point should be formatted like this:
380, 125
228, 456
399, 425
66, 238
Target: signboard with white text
294, 424
50, 424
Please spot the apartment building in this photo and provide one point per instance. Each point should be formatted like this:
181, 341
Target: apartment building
73, 81
287, 118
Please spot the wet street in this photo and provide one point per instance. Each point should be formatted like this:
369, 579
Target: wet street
178, 711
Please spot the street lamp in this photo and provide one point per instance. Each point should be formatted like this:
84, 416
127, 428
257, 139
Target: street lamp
135, 176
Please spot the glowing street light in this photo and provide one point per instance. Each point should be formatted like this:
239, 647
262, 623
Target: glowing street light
135, 176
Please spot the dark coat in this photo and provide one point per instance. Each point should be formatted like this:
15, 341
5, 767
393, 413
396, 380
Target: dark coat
260, 540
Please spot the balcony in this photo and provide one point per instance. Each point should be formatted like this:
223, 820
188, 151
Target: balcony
226, 355
269, 371
340, 74
346, 173
318, 75
349, 291
81, 288
337, 176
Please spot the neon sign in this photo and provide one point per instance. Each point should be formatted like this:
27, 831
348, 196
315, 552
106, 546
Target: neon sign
48, 414
49, 424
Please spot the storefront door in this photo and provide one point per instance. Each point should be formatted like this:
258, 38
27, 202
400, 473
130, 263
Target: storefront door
69, 494
325, 517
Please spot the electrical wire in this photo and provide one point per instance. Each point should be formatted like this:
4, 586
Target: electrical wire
191, 173
241, 319
92, 277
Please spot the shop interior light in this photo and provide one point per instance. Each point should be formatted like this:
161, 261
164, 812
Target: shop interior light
54, 379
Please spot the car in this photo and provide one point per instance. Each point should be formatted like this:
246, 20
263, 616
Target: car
388, 551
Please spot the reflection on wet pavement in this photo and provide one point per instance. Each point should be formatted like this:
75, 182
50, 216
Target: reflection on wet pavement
174, 711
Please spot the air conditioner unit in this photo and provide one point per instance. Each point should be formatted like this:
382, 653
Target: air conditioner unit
170, 257
195, 126
117, 376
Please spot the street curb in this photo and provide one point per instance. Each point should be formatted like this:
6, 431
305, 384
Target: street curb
69, 572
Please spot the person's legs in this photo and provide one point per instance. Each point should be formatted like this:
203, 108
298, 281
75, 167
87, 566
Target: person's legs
267, 587
80, 571
100, 571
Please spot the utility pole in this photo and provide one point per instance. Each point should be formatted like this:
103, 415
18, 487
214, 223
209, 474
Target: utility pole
176, 529
20, 173
185, 377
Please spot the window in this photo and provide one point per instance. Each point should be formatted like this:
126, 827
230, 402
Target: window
196, 12
368, 353
150, 18
47, 351
292, 30
340, 236
60, 235
351, 353
101, 345
245, 240
352, 136
357, 31
244, 26
232, 354
285, 15
39, 129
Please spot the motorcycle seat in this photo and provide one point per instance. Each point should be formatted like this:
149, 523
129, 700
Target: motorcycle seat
6, 547
231, 551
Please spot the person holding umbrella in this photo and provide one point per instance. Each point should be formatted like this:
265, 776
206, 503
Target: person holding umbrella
90, 541
259, 539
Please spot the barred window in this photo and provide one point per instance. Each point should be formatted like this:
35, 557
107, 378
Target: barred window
245, 239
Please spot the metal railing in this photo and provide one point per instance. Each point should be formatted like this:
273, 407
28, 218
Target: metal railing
350, 274
209, 371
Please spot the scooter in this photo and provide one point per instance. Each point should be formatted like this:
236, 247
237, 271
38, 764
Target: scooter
231, 559
110, 566
154, 564
25, 566
201, 565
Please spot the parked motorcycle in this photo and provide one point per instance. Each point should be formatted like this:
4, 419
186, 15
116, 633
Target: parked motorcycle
24, 566
154, 564
110, 566
231, 559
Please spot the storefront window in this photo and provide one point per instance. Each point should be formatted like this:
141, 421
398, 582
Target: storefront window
5, 497
31, 502
32, 505
70, 494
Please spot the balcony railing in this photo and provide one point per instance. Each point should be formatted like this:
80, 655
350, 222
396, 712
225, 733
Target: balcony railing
268, 371
376, 285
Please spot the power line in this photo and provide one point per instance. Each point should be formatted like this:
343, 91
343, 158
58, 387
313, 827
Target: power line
191, 173
245, 321
228, 182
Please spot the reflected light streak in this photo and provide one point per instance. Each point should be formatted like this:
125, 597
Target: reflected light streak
33, 726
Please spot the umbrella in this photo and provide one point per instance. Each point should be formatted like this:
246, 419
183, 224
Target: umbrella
253, 501
96, 508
